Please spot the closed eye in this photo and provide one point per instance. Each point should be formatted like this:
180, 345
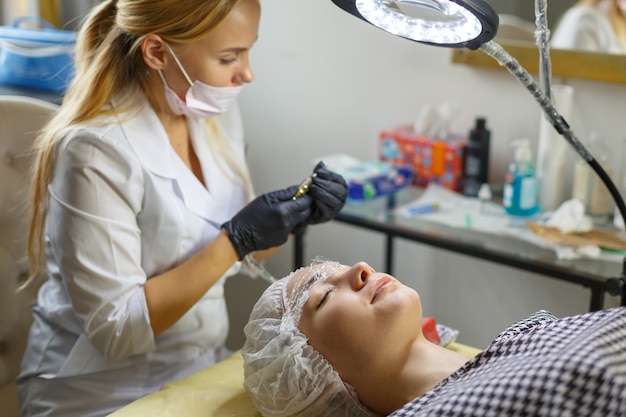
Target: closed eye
228, 61
328, 291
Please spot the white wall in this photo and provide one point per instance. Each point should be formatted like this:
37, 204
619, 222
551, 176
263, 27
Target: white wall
327, 83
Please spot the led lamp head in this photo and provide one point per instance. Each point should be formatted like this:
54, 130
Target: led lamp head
451, 23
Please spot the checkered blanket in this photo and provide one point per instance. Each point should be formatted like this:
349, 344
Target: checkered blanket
541, 366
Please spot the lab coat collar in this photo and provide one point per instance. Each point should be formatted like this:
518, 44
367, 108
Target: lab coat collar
148, 138
226, 197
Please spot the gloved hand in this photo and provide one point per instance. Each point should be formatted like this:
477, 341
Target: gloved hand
267, 220
329, 192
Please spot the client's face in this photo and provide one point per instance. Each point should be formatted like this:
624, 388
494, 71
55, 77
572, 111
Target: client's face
357, 317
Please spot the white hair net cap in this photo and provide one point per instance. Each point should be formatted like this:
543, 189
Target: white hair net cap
284, 375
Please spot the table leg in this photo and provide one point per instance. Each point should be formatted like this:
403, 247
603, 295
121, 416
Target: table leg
597, 299
389, 254
298, 249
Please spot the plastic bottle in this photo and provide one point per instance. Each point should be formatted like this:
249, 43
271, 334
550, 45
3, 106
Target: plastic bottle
476, 169
553, 152
588, 187
521, 185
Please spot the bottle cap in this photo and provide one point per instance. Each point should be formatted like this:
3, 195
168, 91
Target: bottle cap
477, 133
523, 153
484, 193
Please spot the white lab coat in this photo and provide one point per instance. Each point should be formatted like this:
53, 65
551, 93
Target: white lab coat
587, 28
124, 208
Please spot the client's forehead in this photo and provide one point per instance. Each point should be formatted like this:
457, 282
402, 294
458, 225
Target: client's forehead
304, 277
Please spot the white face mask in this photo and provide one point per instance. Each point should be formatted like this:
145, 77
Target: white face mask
201, 100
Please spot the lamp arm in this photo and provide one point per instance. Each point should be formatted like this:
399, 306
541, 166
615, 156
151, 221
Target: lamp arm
542, 34
496, 51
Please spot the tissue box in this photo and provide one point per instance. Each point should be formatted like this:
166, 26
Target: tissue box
432, 160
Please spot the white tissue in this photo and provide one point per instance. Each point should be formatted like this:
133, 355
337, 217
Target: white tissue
564, 252
435, 122
590, 251
570, 217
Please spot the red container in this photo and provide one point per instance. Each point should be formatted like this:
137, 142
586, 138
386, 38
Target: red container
431, 159
429, 328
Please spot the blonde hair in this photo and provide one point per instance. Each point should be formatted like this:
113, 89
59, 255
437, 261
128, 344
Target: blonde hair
109, 64
616, 17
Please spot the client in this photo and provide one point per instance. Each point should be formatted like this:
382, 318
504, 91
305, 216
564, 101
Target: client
334, 340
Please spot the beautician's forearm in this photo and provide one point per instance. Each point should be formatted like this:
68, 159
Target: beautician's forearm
170, 295
262, 255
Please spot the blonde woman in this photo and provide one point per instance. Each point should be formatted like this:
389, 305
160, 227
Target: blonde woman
142, 205
593, 25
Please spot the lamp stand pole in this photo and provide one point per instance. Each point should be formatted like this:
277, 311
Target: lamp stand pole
615, 285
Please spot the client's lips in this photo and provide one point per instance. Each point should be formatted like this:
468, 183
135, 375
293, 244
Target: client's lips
380, 285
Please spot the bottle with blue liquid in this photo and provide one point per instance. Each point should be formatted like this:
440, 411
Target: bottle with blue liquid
521, 185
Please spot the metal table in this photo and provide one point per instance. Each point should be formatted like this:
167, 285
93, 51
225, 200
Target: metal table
377, 215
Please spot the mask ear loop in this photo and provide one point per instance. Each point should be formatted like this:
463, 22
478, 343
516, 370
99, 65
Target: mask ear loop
162, 77
180, 66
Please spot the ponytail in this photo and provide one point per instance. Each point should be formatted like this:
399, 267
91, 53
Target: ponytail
102, 58
96, 27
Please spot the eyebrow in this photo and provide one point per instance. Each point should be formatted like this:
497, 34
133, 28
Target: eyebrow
234, 50
239, 48
306, 283
313, 279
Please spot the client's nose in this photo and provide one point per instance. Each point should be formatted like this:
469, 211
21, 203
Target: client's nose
360, 273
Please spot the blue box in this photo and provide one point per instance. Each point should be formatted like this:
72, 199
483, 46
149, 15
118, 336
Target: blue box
369, 179
41, 59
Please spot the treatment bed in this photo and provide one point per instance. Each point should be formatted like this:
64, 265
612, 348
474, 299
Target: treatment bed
216, 391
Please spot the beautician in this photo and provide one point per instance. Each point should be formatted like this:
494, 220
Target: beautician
593, 25
142, 205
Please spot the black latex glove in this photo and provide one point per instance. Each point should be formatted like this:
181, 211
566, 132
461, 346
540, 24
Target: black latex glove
329, 192
267, 220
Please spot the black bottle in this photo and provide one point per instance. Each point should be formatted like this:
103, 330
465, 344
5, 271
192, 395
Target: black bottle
476, 169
